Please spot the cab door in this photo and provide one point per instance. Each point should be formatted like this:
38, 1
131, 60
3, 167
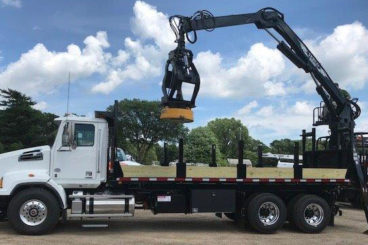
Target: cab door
74, 165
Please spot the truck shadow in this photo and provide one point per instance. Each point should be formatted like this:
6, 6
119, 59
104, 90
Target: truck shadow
163, 225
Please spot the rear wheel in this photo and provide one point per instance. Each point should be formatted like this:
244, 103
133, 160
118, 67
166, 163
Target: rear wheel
290, 206
266, 213
33, 211
311, 214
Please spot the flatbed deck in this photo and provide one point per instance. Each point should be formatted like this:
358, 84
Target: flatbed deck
229, 174
229, 180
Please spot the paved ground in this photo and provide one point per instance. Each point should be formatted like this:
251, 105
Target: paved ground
146, 228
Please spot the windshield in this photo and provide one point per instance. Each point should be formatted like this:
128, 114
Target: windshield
120, 155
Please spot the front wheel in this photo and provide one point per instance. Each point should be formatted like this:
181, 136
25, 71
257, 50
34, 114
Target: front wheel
33, 211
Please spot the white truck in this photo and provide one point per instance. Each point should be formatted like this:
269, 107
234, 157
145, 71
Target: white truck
74, 179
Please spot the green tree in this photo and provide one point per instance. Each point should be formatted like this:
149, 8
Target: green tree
308, 145
253, 145
228, 131
21, 126
252, 156
140, 128
15, 146
172, 152
283, 146
286, 146
198, 146
151, 156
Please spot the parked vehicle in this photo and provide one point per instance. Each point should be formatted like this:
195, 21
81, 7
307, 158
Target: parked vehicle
279, 160
124, 160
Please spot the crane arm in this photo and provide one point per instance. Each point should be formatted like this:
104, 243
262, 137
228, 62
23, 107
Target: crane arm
294, 48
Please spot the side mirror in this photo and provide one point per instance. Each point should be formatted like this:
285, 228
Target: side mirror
67, 137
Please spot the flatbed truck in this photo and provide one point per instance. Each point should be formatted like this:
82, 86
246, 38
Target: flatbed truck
73, 179
76, 178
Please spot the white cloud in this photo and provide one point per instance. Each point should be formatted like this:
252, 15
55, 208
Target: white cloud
344, 54
274, 88
248, 107
362, 124
150, 24
41, 71
282, 119
278, 120
302, 108
309, 86
251, 75
362, 121
148, 52
42, 105
12, 3
259, 71
262, 71
266, 111
121, 58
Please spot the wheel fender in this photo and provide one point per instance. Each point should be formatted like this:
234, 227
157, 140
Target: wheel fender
59, 191
18, 179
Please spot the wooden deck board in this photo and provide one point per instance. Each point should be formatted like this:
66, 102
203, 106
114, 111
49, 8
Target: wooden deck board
324, 173
230, 172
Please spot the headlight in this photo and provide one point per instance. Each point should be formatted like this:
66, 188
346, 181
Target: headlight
1, 183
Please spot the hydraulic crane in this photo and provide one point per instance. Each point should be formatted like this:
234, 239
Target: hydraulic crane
337, 111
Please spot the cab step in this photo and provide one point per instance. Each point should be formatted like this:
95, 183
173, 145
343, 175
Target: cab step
95, 225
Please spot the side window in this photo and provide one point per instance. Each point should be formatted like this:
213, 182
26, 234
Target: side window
84, 134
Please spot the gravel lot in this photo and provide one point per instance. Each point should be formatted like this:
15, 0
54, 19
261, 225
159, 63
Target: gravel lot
146, 228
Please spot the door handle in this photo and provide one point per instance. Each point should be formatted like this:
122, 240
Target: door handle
57, 170
89, 174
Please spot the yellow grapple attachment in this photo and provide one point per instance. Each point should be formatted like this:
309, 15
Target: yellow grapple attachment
180, 115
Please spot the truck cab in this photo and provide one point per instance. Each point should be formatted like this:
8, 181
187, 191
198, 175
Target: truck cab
76, 159
79, 154
39, 184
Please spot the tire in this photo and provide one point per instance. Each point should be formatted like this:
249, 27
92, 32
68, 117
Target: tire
290, 206
311, 214
242, 219
260, 211
231, 216
33, 211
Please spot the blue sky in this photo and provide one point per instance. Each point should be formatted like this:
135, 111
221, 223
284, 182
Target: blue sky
117, 49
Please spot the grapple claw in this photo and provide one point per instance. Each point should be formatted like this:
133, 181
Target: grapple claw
179, 69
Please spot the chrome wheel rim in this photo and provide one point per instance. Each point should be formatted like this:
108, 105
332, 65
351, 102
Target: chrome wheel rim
33, 212
268, 213
313, 214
